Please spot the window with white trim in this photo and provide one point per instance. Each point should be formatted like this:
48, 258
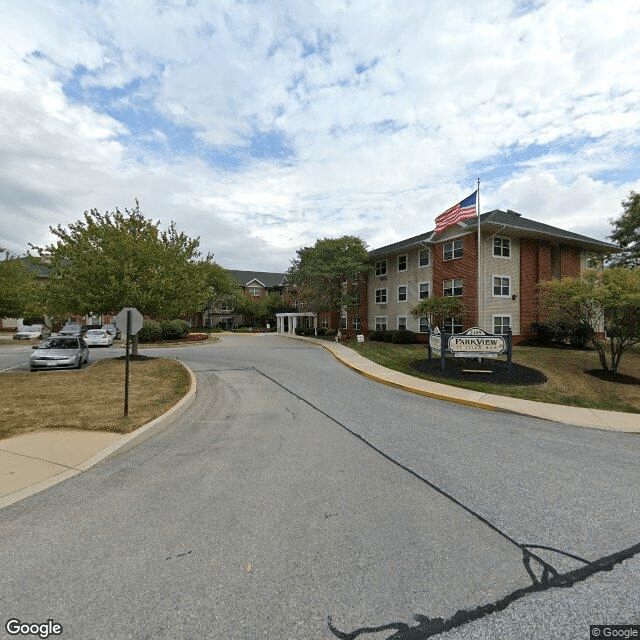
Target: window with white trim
424, 326
381, 323
424, 259
254, 292
381, 296
401, 323
402, 293
402, 262
356, 325
502, 247
452, 250
424, 290
452, 287
381, 268
324, 323
343, 322
501, 286
501, 324
452, 325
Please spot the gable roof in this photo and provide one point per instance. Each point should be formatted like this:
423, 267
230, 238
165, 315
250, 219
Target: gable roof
267, 279
495, 221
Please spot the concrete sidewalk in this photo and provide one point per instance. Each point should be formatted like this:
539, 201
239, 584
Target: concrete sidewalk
35, 461
32, 462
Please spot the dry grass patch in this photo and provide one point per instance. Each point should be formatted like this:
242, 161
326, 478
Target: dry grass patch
91, 399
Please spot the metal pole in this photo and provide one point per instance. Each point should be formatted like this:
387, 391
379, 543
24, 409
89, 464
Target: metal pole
126, 367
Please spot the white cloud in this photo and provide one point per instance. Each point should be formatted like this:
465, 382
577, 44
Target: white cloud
390, 112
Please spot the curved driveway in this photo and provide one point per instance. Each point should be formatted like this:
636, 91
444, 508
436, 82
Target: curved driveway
297, 499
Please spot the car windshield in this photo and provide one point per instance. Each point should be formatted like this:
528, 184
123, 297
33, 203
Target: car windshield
59, 343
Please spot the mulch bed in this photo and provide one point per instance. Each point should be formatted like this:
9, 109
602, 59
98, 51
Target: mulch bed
609, 376
458, 369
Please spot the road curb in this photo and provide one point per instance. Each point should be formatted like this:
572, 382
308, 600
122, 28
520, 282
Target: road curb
124, 444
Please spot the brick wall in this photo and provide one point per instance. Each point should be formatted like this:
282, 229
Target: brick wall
569, 261
465, 268
530, 264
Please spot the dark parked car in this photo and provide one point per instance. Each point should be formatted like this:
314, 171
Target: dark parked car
60, 351
73, 329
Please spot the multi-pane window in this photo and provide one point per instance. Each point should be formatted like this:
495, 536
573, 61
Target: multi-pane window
324, 323
381, 268
501, 324
452, 325
356, 325
501, 286
425, 257
452, 287
423, 324
343, 322
402, 323
402, 262
452, 250
424, 290
381, 296
254, 291
381, 323
502, 247
402, 293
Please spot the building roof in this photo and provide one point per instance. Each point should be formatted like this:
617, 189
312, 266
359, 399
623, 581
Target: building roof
265, 278
496, 220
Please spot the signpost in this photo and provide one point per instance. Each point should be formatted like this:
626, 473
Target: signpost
473, 343
129, 321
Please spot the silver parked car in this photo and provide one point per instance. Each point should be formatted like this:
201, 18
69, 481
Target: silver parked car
29, 332
60, 351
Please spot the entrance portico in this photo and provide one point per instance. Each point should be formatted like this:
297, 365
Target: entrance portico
293, 321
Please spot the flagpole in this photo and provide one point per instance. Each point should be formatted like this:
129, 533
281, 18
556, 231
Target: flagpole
480, 319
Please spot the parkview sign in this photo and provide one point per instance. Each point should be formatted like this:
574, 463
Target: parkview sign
476, 342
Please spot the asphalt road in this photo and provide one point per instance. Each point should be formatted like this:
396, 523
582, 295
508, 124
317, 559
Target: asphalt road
297, 499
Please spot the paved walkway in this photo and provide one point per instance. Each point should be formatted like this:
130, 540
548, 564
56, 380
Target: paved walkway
34, 461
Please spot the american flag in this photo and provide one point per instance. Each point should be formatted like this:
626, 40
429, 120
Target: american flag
461, 211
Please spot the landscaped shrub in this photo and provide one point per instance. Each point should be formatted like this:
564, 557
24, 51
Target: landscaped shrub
580, 335
151, 332
299, 331
549, 332
381, 335
402, 336
322, 331
332, 332
174, 329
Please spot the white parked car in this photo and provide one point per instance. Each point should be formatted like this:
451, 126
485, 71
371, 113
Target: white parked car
98, 338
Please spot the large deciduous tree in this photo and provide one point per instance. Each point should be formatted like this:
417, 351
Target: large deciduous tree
113, 260
327, 275
19, 290
626, 232
599, 300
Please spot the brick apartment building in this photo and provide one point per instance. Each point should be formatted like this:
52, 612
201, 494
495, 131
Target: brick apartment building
516, 253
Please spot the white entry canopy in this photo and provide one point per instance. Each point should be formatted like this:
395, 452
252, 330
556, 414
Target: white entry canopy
293, 321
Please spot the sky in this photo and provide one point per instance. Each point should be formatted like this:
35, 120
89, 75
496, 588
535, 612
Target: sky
261, 126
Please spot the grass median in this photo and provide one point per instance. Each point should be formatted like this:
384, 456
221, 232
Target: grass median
91, 399
565, 368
